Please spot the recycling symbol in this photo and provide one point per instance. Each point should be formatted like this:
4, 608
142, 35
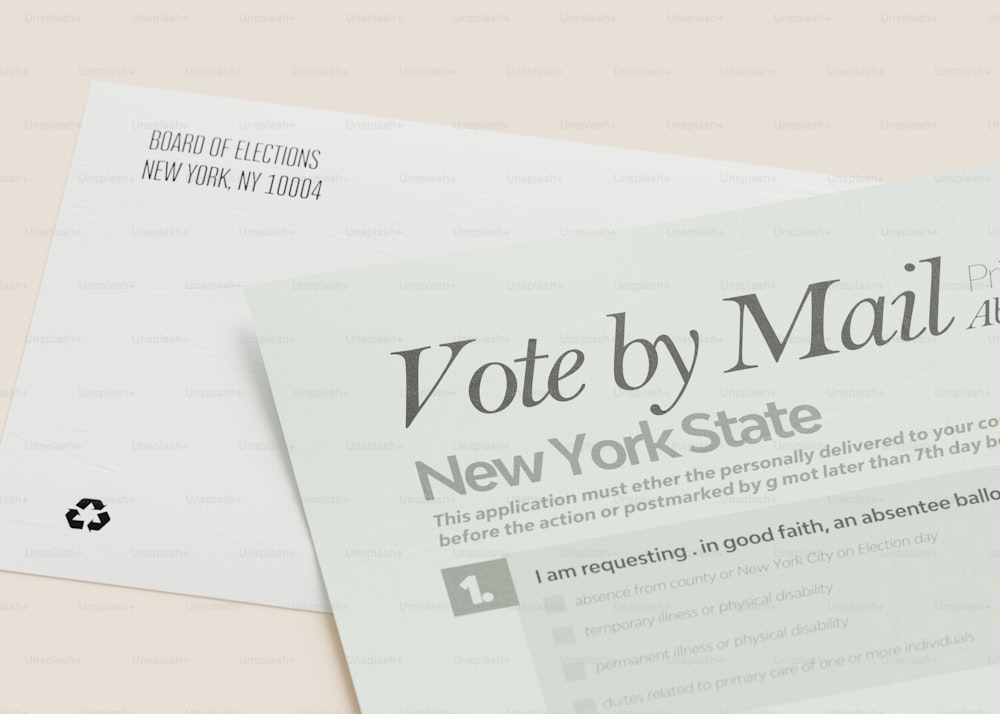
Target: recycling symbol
94, 506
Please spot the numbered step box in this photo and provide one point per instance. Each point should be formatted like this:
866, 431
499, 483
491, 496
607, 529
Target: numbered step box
479, 587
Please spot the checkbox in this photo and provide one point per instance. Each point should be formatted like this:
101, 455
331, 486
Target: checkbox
587, 706
575, 672
563, 636
556, 603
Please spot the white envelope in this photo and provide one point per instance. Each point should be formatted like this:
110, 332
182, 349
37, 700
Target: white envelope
142, 447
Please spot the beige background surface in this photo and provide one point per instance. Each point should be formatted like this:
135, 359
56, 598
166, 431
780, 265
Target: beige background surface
884, 90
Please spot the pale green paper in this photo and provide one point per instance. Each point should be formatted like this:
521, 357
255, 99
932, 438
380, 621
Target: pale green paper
340, 393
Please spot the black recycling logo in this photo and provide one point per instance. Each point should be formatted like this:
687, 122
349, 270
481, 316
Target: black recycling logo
92, 508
